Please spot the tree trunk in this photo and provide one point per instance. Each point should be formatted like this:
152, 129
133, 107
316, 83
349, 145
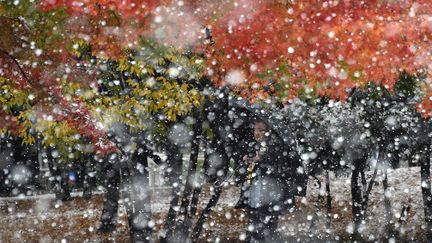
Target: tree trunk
110, 207
140, 204
426, 185
195, 196
329, 200
369, 189
127, 195
389, 231
360, 196
175, 160
217, 191
181, 227
89, 180
205, 213
357, 199
60, 185
319, 203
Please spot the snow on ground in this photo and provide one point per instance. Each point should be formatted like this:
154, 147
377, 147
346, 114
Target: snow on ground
42, 218
404, 191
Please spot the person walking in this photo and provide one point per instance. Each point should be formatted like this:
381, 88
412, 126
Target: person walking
269, 192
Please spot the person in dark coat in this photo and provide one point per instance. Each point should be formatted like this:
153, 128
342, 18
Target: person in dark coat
243, 143
270, 190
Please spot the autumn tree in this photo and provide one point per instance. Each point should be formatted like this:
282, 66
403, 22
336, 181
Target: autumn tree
34, 73
324, 47
69, 70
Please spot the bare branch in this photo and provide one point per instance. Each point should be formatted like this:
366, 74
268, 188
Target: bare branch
17, 64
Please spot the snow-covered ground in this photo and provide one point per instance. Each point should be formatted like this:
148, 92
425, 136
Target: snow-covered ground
403, 191
42, 218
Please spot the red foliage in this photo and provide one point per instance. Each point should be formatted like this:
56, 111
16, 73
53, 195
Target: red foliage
126, 8
41, 83
9, 123
8, 69
77, 115
111, 25
334, 45
329, 46
425, 106
108, 25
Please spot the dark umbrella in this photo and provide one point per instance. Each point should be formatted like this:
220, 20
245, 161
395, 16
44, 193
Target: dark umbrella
276, 122
273, 119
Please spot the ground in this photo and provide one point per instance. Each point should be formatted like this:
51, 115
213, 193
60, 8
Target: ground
44, 219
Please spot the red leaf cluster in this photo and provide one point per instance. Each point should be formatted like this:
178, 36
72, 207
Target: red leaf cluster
108, 25
10, 123
327, 46
333, 45
48, 96
126, 8
76, 114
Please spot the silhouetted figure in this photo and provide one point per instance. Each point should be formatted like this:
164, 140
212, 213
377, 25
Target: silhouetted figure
270, 190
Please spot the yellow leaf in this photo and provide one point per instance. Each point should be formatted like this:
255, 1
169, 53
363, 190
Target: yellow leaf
123, 64
184, 87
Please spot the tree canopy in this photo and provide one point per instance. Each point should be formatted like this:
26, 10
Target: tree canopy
65, 65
